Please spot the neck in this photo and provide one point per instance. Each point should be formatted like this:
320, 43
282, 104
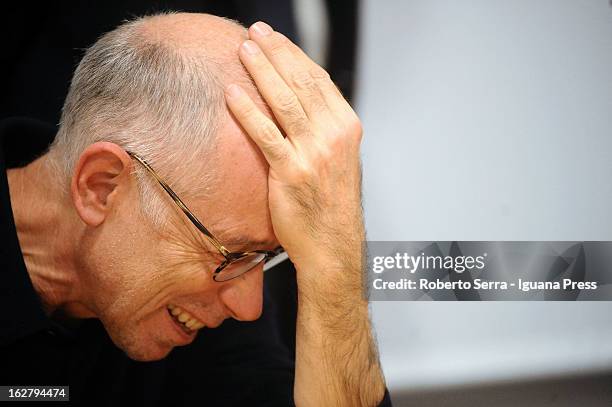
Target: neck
44, 219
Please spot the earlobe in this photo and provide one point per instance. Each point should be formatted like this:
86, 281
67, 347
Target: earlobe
102, 169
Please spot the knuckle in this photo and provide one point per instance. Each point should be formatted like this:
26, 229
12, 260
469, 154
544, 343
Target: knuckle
346, 126
247, 110
287, 103
350, 126
302, 80
303, 175
336, 144
278, 151
355, 128
319, 74
265, 131
277, 44
343, 135
299, 127
326, 153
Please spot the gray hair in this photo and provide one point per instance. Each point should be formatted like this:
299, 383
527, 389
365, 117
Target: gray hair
149, 98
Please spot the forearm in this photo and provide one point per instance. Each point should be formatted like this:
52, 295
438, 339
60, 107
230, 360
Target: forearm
336, 359
314, 196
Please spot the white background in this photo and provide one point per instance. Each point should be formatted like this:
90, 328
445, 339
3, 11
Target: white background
487, 120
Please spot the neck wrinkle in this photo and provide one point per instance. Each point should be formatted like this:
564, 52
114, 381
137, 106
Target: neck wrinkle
42, 218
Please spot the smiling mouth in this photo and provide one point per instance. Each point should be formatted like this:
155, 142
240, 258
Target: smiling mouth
185, 320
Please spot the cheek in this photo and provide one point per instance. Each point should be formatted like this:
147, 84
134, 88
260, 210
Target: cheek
141, 281
128, 290
193, 287
187, 283
188, 272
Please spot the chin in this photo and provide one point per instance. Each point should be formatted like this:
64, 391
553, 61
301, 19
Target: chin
147, 355
140, 344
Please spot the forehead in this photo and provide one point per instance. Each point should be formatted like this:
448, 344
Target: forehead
238, 209
241, 188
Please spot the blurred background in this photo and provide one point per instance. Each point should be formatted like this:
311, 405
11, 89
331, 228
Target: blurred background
484, 120
489, 120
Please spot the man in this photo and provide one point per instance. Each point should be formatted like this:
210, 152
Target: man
174, 175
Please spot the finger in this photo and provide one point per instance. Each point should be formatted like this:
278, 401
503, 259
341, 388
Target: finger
259, 127
282, 100
306, 78
332, 94
297, 75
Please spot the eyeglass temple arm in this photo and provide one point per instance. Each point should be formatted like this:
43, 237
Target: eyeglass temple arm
181, 205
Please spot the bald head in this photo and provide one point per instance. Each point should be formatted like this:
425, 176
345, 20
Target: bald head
211, 39
154, 86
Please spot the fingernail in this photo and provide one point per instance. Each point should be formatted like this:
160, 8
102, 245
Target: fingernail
233, 91
250, 47
262, 28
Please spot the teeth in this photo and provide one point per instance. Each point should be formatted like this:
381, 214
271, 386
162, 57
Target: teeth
185, 318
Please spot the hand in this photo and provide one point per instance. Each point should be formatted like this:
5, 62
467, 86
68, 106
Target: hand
314, 187
315, 175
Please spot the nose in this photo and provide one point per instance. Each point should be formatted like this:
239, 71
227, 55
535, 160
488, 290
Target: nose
243, 296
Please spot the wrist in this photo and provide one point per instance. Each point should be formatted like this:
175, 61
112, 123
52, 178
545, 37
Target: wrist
329, 278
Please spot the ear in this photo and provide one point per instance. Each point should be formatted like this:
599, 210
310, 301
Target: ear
102, 170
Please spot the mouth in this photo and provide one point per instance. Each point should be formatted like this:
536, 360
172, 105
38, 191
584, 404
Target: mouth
184, 320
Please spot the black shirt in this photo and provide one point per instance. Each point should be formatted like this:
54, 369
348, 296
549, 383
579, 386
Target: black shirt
236, 364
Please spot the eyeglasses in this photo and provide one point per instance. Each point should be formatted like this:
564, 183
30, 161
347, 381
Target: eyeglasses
235, 263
